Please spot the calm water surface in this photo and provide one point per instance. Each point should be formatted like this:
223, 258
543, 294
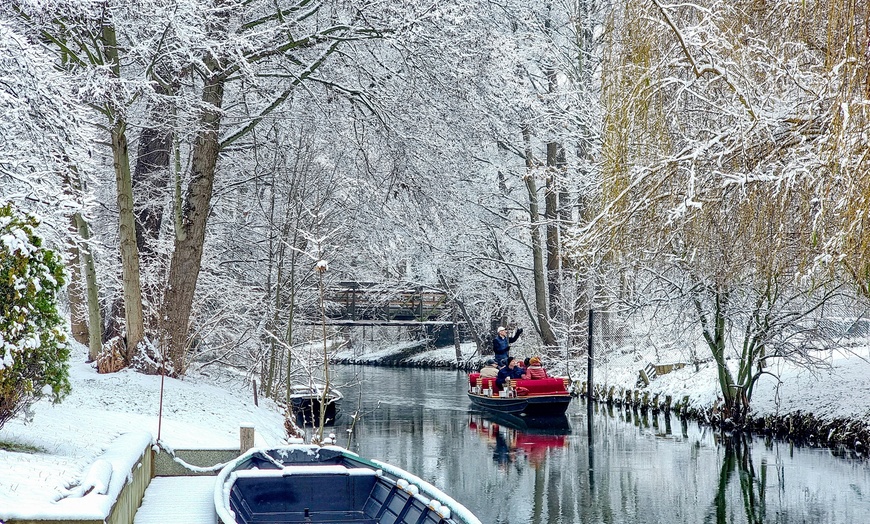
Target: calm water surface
615, 467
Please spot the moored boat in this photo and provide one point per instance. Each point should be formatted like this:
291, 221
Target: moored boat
544, 397
305, 483
306, 401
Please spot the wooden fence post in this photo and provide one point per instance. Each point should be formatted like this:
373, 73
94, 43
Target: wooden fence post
246, 437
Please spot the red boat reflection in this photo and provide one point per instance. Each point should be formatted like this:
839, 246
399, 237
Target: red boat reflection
520, 439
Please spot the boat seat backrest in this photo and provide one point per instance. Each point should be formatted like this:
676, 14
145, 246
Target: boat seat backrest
541, 385
485, 382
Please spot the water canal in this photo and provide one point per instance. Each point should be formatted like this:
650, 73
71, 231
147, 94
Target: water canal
618, 468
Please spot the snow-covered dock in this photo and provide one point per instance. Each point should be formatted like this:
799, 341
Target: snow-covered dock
178, 500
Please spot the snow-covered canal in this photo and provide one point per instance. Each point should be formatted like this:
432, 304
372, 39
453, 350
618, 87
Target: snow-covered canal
621, 468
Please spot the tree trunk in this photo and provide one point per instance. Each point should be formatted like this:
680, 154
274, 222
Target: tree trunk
714, 334
151, 177
456, 343
129, 252
551, 197
78, 306
291, 307
479, 341
543, 320
95, 321
190, 232
126, 219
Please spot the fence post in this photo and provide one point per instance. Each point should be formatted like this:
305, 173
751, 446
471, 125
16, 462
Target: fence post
246, 437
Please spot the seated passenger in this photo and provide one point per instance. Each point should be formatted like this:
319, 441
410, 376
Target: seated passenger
511, 370
489, 369
535, 370
522, 366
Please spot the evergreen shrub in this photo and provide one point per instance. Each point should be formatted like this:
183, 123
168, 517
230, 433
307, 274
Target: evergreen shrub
34, 351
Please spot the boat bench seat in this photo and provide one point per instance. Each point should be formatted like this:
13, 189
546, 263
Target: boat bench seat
542, 385
487, 382
391, 504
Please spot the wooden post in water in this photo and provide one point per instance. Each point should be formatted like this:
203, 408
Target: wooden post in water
246, 437
456, 342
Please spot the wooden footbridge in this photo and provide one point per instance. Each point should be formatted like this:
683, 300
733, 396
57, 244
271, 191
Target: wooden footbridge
373, 304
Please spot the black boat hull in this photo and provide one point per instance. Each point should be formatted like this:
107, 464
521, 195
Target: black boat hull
307, 411
532, 406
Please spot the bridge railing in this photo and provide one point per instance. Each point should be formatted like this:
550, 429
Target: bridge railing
368, 301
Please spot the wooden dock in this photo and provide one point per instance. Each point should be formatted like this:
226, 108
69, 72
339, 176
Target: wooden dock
178, 500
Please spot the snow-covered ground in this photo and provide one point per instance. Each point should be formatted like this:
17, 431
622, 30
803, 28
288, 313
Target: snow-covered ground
206, 409
200, 412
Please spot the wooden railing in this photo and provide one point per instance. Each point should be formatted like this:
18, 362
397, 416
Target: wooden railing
371, 301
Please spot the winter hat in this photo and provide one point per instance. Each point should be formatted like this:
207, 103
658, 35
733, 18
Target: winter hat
535, 361
490, 362
501, 328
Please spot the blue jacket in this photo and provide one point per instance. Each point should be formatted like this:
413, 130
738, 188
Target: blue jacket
506, 373
501, 346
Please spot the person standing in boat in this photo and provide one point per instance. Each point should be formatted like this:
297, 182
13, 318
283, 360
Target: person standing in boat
501, 344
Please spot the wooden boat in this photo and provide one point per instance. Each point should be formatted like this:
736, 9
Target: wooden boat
306, 400
544, 397
305, 483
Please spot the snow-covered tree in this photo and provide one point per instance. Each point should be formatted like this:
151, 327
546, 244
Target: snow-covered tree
715, 142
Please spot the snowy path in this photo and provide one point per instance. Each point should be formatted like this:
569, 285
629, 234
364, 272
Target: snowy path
178, 500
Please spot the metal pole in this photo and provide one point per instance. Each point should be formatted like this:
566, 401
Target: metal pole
589, 360
590, 441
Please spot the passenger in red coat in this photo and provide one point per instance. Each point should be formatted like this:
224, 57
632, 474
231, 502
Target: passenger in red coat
535, 370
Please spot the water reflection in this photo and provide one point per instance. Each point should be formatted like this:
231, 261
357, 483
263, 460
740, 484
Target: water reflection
602, 464
738, 460
519, 440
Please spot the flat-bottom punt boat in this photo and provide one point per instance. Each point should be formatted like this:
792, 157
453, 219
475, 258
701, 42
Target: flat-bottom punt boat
303, 483
306, 400
546, 397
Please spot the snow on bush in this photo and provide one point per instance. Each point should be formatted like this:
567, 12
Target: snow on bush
33, 347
